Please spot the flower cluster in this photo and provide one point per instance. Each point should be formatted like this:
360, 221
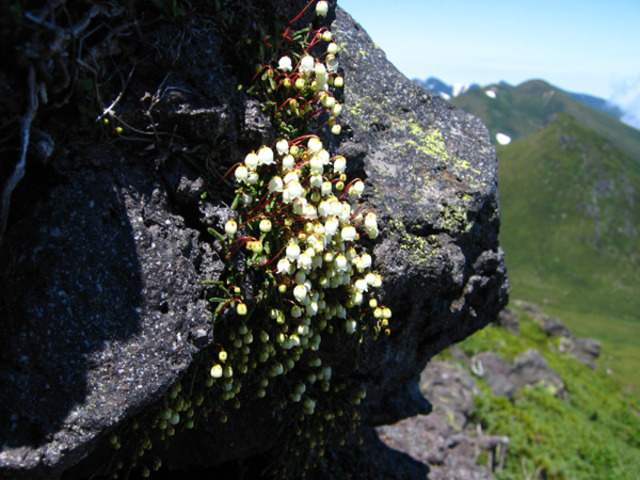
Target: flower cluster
304, 232
300, 89
299, 222
297, 275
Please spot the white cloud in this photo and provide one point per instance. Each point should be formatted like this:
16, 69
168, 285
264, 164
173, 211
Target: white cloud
627, 96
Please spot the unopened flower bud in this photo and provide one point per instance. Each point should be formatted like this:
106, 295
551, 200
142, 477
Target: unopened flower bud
231, 227
265, 225
350, 326
216, 371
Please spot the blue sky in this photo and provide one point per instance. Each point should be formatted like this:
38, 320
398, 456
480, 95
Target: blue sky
588, 46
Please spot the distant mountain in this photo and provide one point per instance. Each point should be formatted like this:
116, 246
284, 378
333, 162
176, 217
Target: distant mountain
515, 112
601, 104
570, 214
448, 92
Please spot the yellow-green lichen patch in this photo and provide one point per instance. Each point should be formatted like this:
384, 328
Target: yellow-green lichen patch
455, 217
419, 249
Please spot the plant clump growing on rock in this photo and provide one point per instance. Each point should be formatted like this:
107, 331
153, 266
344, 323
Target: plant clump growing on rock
296, 278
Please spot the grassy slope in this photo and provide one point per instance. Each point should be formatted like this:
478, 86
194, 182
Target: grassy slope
593, 433
570, 226
525, 109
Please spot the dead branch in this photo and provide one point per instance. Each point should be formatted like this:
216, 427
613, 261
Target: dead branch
20, 167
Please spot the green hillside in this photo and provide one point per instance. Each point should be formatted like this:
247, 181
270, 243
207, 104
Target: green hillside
592, 431
570, 225
525, 109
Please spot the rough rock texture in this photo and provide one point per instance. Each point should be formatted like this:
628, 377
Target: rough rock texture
509, 320
529, 369
102, 303
585, 350
433, 172
446, 440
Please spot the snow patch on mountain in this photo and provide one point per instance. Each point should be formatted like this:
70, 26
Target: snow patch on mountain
460, 88
503, 139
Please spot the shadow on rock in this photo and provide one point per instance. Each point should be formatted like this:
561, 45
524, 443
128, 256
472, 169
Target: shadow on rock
70, 284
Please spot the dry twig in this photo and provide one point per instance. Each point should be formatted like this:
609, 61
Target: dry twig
19, 169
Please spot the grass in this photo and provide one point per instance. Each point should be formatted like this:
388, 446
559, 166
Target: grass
592, 433
570, 226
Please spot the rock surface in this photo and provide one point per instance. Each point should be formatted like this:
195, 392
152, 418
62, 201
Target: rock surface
585, 350
433, 172
447, 440
102, 302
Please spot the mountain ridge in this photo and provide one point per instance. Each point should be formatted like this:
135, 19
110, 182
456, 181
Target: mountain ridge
447, 91
522, 110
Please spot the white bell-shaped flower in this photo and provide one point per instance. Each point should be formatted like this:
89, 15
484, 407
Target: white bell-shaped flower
348, 233
265, 156
284, 64
331, 226
288, 162
241, 173
300, 293
276, 184
314, 145
282, 147
284, 266
307, 65
293, 251
322, 8
251, 161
